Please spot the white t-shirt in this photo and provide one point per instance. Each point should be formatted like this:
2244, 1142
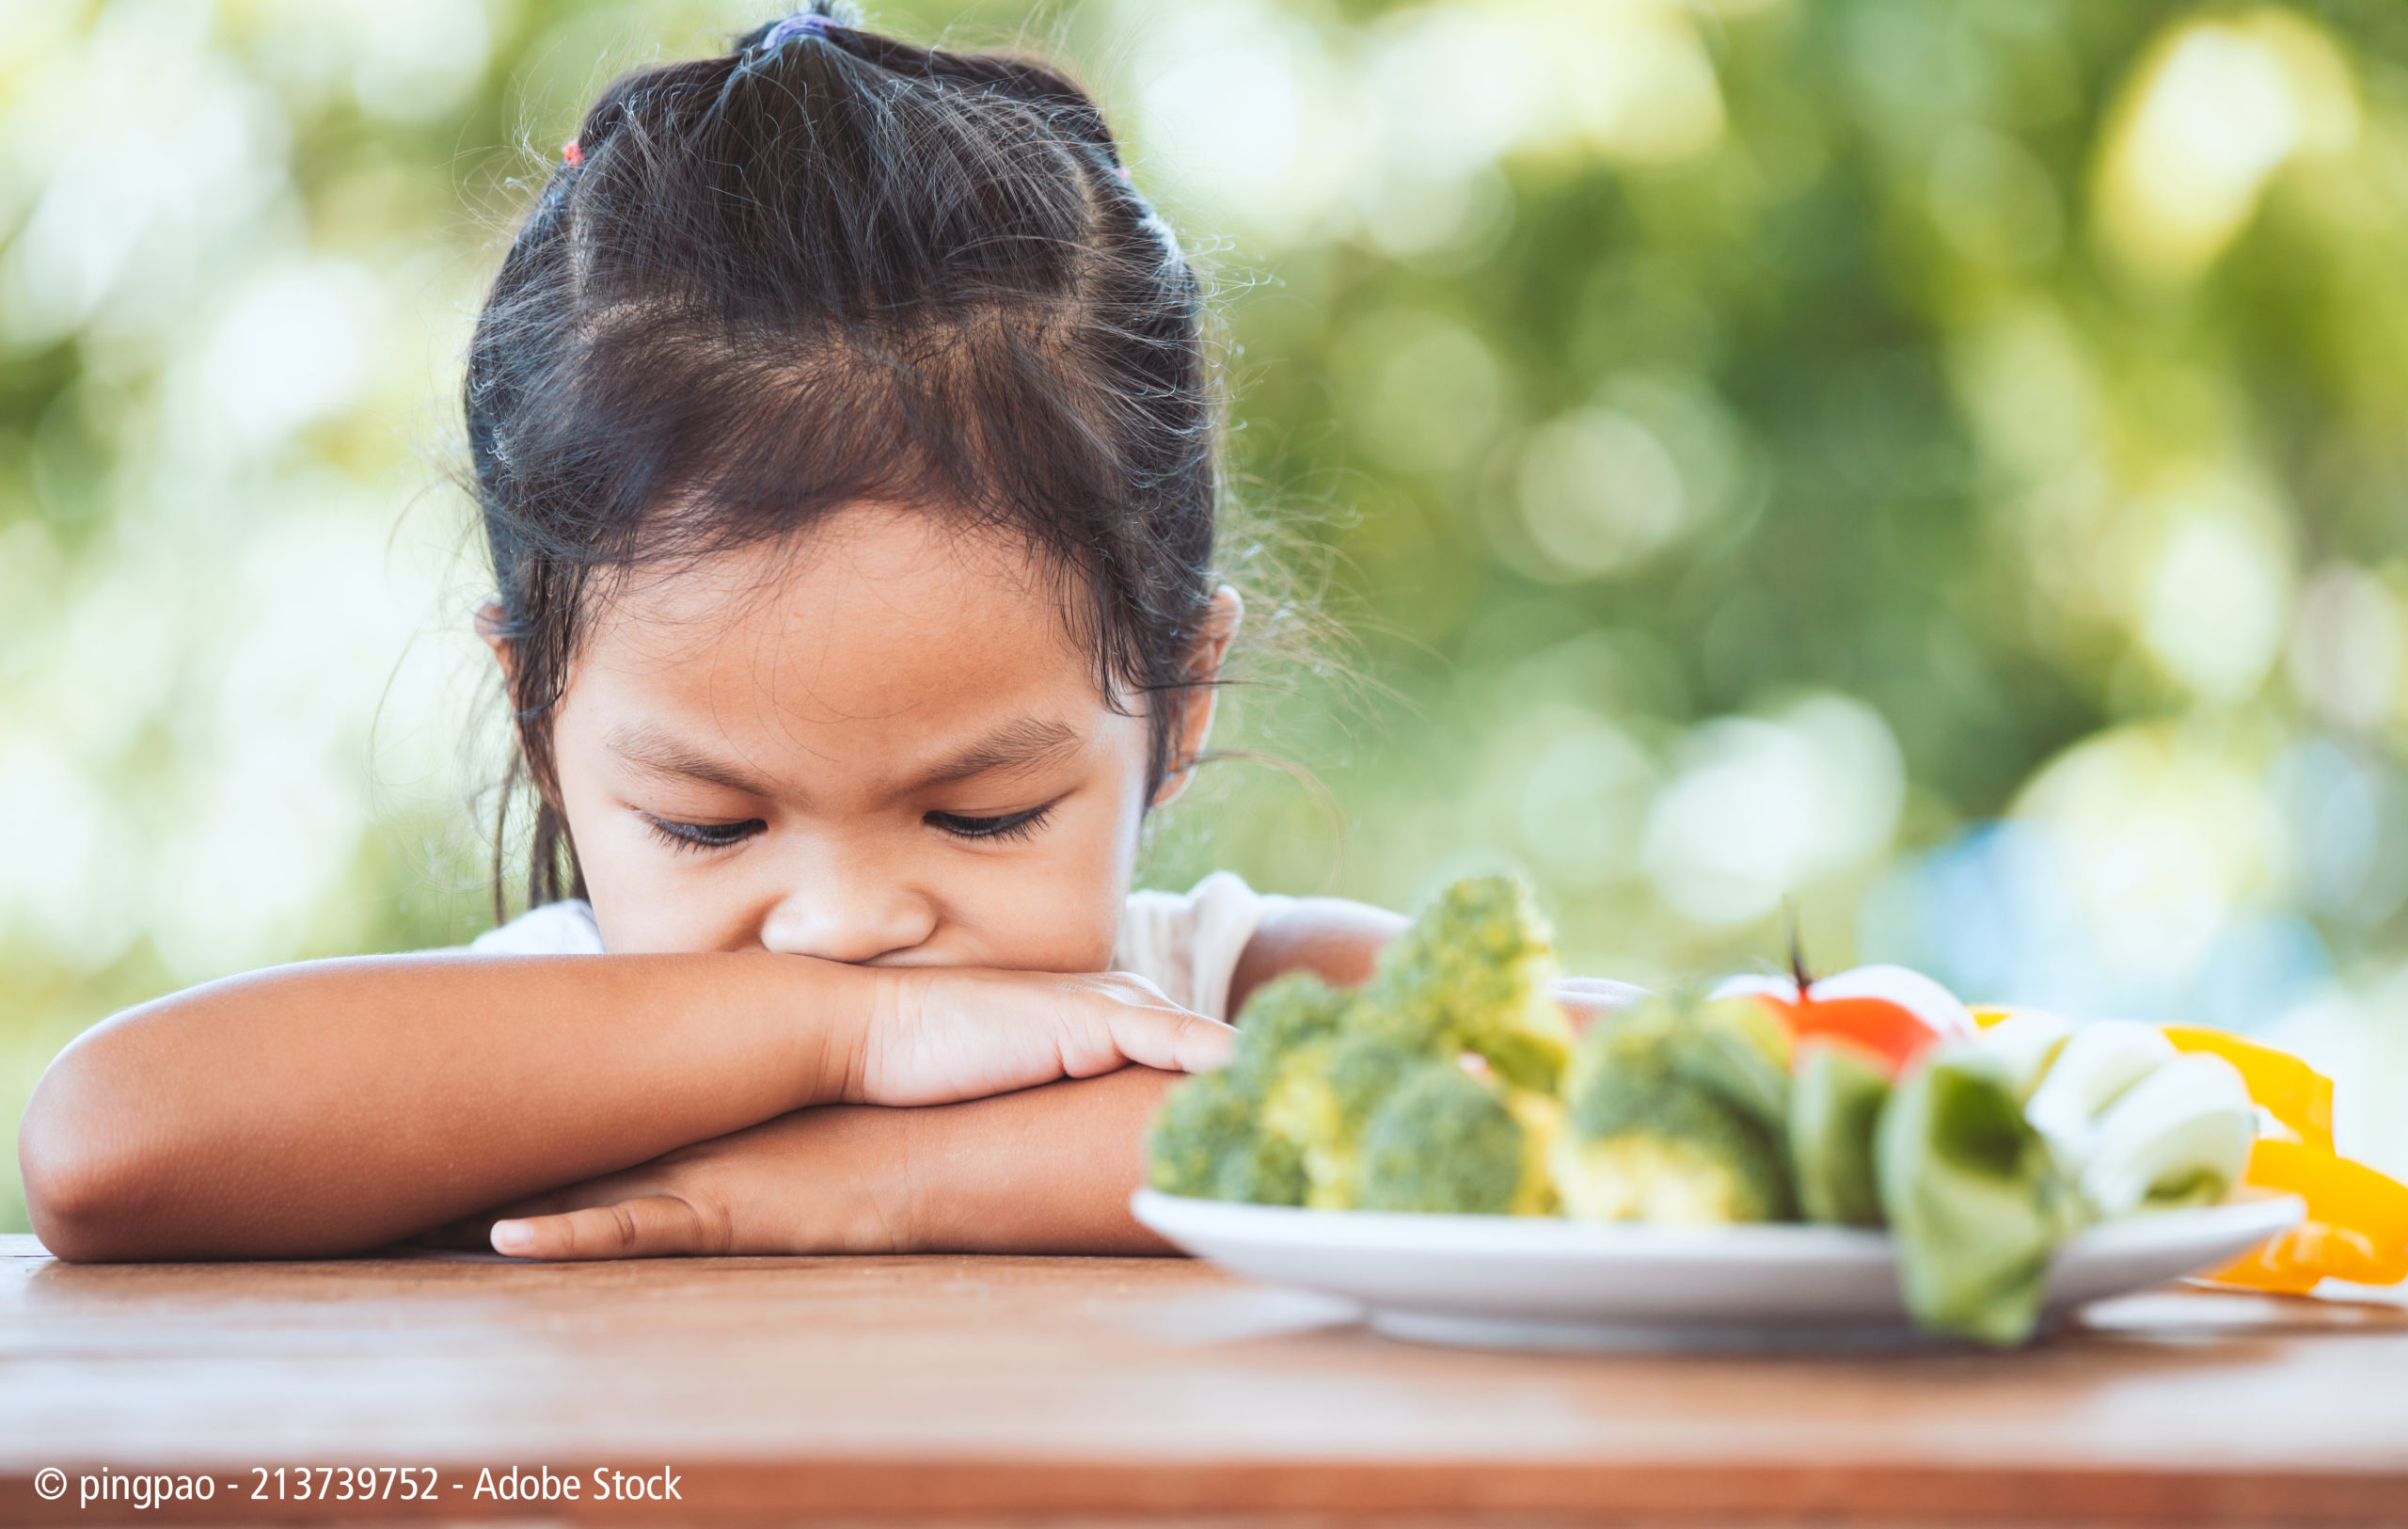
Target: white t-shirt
1186, 943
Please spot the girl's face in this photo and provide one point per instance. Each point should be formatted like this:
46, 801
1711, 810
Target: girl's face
877, 746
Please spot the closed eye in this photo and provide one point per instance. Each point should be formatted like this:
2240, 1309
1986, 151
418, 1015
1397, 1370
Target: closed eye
1011, 825
703, 835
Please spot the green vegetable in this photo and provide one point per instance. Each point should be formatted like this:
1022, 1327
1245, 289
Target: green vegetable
1284, 1017
1267, 1172
1446, 1141
1972, 1194
1205, 1142
1683, 1160
2178, 1137
1286, 1037
1196, 1127
2089, 1072
1322, 1099
1836, 1099
1736, 1051
2029, 1043
1476, 972
2139, 1124
1732, 1051
1675, 1115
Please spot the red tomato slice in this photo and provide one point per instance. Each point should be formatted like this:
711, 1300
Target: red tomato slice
1876, 1024
1888, 1011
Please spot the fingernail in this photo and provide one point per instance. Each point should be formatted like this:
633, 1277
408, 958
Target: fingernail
513, 1237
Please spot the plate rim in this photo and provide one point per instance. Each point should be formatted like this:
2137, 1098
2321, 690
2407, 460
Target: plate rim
1556, 1237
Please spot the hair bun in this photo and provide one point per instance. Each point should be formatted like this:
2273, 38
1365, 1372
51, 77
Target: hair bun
812, 23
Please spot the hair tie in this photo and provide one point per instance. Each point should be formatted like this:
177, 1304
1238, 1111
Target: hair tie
810, 24
571, 154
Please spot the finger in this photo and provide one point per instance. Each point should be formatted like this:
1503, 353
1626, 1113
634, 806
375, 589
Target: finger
652, 1226
476, 1231
1172, 1040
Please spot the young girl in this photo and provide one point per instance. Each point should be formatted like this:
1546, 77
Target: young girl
845, 449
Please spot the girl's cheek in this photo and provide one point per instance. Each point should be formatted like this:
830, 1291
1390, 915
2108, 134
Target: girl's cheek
1055, 908
1067, 926
652, 898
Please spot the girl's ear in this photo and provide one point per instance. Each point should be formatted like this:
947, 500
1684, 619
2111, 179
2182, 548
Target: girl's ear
1222, 619
491, 630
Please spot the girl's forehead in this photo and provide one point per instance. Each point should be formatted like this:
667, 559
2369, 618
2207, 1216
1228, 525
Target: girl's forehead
878, 609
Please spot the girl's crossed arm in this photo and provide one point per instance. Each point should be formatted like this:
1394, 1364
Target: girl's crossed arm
336, 1106
1043, 1170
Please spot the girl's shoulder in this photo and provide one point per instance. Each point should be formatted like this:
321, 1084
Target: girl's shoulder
555, 929
1188, 944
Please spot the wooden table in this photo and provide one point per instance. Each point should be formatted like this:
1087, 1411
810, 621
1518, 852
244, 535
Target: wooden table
1099, 1390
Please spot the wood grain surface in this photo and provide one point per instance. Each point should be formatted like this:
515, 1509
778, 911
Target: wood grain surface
1100, 1391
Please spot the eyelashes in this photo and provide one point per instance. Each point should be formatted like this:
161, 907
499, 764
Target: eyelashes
679, 836
1010, 827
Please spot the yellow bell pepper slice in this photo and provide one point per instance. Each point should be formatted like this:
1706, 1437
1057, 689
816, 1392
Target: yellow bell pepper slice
2357, 1218
2356, 1227
2291, 1091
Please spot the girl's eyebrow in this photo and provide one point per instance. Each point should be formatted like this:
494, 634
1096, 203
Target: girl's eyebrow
1020, 745
655, 753
1025, 744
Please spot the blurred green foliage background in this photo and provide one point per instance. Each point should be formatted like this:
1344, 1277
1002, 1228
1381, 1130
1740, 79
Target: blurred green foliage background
1944, 462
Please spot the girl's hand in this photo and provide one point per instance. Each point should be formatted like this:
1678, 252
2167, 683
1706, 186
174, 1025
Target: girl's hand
800, 1184
937, 1034
1046, 1170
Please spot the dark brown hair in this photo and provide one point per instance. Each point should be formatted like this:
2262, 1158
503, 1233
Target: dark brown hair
831, 266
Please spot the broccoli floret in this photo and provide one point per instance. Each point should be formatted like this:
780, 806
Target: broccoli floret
1674, 1118
1205, 1142
1675, 1156
1476, 972
1445, 1142
1266, 1171
1293, 1120
1322, 1099
1284, 1017
1731, 1050
1197, 1127
1541, 1118
1742, 1055
1287, 1037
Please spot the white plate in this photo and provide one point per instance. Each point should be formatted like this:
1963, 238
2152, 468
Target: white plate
1539, 1282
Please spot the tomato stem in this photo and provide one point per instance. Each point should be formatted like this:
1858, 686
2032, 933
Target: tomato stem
1796, 947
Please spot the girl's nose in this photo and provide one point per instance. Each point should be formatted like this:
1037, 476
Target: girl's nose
847, 911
